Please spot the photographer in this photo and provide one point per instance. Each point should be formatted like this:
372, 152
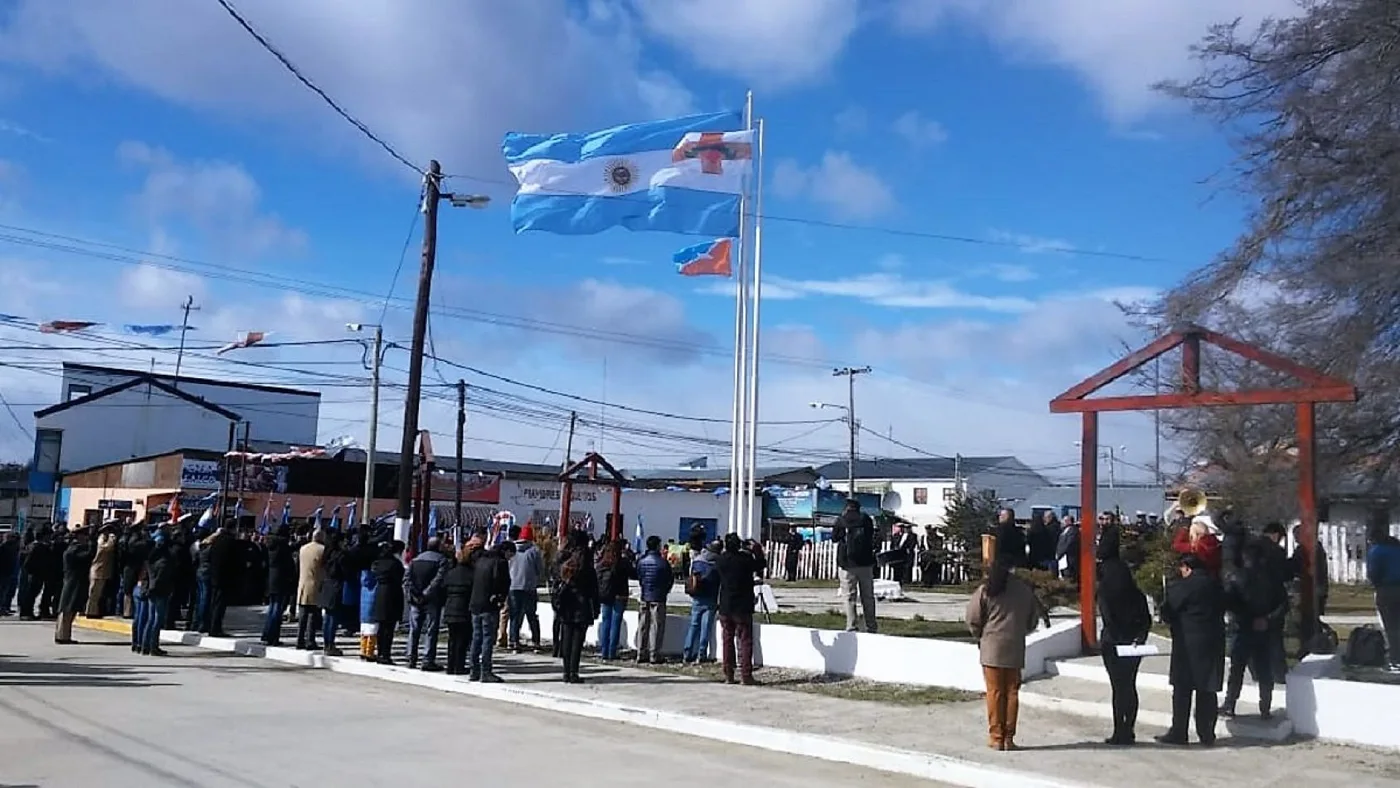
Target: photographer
738, 568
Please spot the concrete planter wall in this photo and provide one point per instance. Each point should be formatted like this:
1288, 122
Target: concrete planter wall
1332, 709
885, 658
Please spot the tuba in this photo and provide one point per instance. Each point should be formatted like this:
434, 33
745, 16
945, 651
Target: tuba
1190, 502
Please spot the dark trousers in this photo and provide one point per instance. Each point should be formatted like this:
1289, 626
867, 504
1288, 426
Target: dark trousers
790, 571
1122, 678
524, 607
1206, 711
272, 624
736, 635
28, 593
218, 605
306, 626
48, 600
571, 647
199, 608
459, 640
385, 645
423, 630
328, 619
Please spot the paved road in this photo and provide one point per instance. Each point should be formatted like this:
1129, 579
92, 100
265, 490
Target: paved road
96, 714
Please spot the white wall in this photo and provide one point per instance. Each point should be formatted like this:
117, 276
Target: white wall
661, 510
1349, 712
144, 420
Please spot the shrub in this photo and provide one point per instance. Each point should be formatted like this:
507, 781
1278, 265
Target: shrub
1052, 591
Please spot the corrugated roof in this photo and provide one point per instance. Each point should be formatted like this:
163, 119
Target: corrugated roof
1130, 500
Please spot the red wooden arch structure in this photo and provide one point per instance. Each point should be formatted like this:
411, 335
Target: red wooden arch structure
585, 471
1315, 387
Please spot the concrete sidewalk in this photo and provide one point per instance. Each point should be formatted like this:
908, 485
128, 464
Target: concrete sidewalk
945, 743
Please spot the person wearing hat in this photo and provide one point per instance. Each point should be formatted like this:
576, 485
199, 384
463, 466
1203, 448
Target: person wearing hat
104, 565
77, 561
1194, 608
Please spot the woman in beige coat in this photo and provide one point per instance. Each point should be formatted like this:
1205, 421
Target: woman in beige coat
1001, 613
104, 565
311, 571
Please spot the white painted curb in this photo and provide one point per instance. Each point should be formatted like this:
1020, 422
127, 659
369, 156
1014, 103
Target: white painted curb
1249, 693
941, 768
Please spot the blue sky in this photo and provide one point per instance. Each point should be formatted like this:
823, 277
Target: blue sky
1026, 126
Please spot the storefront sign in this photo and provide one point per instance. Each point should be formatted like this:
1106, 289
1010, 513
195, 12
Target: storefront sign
111, 503
476, 487
537, 494
200, 475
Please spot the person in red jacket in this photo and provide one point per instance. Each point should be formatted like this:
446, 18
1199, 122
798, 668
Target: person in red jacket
1198, 540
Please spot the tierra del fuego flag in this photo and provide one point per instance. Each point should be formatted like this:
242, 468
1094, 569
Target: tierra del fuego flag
711, 258
682, 175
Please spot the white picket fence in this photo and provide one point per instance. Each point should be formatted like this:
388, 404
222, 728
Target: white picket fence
1346, 547
818, 562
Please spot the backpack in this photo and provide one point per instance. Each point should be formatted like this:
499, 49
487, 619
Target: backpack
860, 543
1365, 647
699, 579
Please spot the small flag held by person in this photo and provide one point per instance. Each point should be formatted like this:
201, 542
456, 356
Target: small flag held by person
711, 258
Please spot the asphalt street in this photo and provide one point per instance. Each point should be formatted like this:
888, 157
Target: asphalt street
96, 714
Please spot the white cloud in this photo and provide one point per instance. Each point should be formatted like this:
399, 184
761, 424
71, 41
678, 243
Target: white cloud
769, 44
1013, 273
889, 290
918, 131
218, 198
146, 286
1032, 244
838, 183
851, 121
14, 129
1118, 49
488, 77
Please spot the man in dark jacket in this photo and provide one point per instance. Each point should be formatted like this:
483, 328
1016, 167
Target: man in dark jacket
795, 543
131, 556
854, 535
490, 588
1042, 537
1195, 609
30, 579
1067, 551
656, 579
9, 571
225, 561
281, 583
737, 567
422, 586
159, 575
76, 562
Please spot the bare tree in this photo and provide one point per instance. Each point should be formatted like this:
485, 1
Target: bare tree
1312, 106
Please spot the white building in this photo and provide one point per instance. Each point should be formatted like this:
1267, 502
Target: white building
107, 415
920, 489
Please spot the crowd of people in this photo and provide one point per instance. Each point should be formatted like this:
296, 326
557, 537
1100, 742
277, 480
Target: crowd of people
323, 581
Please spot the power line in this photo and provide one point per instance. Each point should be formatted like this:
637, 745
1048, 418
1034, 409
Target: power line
23, 429
314, 88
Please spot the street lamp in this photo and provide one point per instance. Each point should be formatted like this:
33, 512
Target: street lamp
376, 353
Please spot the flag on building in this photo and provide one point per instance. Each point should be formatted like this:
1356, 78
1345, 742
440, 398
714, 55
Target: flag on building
245, 339
712, 258
682, 175
154, 330
65, 326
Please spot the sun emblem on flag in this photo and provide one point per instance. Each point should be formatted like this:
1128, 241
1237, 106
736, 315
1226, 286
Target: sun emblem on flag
619, 175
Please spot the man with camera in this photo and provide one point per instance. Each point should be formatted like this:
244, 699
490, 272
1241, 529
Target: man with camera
739, 568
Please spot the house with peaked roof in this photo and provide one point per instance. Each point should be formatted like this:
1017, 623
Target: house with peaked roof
919, 489
107, 415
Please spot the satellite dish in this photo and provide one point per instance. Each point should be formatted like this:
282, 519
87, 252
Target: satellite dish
891, 501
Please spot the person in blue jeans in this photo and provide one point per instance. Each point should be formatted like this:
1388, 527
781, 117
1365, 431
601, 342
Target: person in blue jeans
702, 584
615, 569
281, 583
138, 616
156, 585
526, 572
490, 587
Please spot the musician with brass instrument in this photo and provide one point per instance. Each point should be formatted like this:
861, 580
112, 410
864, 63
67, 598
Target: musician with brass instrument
1200, 536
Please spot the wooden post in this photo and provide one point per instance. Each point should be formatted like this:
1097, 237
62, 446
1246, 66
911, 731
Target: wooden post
1307, 513
1088, 527
615, 531
567, 497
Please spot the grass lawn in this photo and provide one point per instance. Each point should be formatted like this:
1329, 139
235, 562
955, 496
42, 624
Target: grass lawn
900, 627
842, 687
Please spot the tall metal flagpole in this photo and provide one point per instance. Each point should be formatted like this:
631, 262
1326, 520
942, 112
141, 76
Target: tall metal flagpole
736, 429
752, 447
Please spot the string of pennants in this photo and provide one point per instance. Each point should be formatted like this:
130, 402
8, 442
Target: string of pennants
244, 339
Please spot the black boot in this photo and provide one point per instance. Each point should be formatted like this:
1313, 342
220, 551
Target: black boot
1266, 701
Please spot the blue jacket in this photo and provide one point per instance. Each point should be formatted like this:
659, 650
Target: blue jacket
655, 577
1383, 564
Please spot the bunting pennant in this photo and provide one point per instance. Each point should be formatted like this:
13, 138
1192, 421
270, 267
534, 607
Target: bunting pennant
245, 340
65, 326
154, 330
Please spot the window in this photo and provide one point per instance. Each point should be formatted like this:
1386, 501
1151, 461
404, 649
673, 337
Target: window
48, 444
950, 493
920, 496
76, 390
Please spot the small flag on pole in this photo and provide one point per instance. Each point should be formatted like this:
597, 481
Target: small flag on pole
206, 519
350, 520
316, 516
65, 326
246, 339
712, 258
639, 538
335, 519
266, 524
287, 511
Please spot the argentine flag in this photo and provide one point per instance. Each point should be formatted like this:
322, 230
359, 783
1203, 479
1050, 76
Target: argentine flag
682, 175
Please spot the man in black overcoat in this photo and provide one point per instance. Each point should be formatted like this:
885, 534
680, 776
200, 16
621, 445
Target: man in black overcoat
1194, 608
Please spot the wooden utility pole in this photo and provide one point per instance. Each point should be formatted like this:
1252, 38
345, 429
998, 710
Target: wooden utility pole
461, 436
188, 306
432, 195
